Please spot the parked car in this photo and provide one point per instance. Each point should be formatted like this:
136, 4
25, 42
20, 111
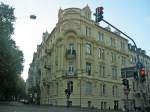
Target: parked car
25, 101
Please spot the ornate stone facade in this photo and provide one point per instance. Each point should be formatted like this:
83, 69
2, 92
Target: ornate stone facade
85, 53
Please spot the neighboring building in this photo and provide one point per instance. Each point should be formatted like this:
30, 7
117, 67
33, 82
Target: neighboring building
137, 98
33, 81
83, 53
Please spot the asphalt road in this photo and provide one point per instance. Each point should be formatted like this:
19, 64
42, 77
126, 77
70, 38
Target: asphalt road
18, 107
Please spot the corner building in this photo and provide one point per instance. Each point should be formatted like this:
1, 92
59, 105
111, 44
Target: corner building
88, 55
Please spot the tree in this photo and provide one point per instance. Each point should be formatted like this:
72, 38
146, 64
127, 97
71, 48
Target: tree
20, 88
11, 58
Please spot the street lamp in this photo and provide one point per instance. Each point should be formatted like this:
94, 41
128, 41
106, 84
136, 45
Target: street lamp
33, 17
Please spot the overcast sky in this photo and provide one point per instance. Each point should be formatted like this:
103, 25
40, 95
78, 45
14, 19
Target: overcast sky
130, 16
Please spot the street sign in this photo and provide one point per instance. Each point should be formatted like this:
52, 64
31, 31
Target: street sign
128, 72
139, 65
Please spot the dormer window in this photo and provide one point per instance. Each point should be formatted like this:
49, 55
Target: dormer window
87, 12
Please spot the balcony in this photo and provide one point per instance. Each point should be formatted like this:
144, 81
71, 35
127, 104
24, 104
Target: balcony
70, 75
45, 83
48, 51
137, 94
70, 53
48, 67
148, 95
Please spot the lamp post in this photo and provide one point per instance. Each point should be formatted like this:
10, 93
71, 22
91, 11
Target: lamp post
33, 17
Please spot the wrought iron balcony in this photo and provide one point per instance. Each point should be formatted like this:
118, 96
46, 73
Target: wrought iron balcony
48, 51
70, 53
148, 96
70, 74
48, 67
45, 82
137, 94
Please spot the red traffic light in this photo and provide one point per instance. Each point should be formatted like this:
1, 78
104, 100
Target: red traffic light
126, 92
99, 10
142, 72
99, 14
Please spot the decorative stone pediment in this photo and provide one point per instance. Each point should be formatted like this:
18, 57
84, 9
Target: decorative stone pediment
71, 10
70, 26
70, 32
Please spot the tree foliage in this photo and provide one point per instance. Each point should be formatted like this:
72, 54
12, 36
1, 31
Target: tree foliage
21, 89
11, 58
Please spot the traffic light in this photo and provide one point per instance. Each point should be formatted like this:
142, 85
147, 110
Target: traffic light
136, 75
68, 93
99, 14
70, 86
125, 82
143, 79
142, 74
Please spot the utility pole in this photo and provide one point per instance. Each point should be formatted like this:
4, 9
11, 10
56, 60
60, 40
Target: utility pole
99, 18
125, 82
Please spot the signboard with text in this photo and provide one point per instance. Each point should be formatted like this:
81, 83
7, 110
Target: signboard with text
128, 72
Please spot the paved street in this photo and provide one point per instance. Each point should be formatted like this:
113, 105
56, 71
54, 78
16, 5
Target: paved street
18, 107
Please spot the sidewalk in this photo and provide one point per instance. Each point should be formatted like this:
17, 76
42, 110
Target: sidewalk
10, 103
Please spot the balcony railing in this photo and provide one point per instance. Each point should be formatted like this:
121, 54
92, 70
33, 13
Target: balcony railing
70, 74
48, 67
148, 95
137, 94
70, 53
48, 51
45, 82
